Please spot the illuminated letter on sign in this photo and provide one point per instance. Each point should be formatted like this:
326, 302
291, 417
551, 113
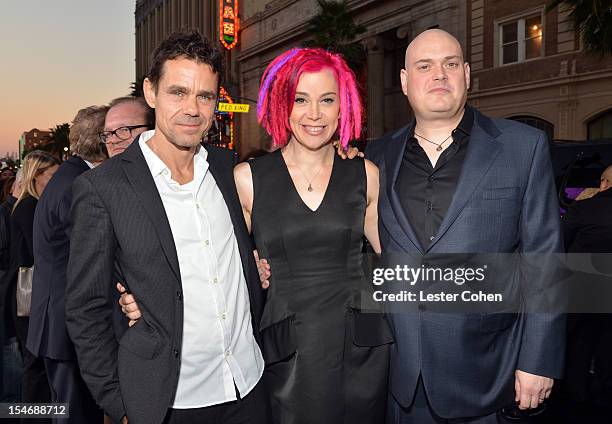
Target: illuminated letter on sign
228, 23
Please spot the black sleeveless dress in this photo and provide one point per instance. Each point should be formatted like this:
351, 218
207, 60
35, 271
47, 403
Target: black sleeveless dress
326, 357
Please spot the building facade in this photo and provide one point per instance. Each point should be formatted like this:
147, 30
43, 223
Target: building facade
530, 65
527, 64
156, 19
34, 139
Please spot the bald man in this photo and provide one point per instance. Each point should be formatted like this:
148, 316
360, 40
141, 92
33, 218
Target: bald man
456, 181
605, 182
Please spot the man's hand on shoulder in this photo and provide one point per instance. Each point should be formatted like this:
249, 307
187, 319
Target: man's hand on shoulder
531, 390
350, 153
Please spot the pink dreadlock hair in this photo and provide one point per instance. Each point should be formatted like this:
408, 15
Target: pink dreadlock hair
279, 82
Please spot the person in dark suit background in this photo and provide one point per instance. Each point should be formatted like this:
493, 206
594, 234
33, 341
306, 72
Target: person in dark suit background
587, 227
456, 181
14, 187
10, 361
126, 119
38, 167
587, 387
47, 336
166, 214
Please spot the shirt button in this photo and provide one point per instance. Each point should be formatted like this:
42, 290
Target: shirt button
215, 280
176, 353
206, 242
179, 295
432, 238
228, 353
430, 178
197, 206
222, 316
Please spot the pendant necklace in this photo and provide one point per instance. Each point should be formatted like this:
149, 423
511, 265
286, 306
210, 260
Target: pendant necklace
305, 177
439, 148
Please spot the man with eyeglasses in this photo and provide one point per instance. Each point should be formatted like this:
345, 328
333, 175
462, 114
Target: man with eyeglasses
126, 119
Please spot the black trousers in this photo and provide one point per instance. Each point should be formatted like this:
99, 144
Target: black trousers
252, 409
67, 386
34, 386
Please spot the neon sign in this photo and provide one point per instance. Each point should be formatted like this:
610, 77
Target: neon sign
225, 97
228, 23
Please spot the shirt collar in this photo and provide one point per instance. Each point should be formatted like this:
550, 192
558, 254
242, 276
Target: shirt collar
465, 126
157, 166
466, 123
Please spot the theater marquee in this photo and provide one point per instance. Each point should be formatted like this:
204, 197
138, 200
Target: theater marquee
228, 21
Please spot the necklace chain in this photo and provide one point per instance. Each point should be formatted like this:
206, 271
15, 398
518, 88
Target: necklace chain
305, 177
439, 148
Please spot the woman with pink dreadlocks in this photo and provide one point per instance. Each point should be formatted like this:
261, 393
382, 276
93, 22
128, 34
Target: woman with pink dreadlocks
326, 357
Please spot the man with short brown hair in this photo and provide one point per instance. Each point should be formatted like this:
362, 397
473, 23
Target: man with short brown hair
165, 213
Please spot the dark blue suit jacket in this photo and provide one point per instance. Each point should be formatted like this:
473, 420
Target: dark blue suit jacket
504, 202
47, 335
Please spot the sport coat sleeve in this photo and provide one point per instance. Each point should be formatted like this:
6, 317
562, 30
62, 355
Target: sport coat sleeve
543, 341
88, 297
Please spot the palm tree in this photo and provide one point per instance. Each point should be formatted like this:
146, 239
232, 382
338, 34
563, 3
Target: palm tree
593, 18
59, 133
136, 87
333, 29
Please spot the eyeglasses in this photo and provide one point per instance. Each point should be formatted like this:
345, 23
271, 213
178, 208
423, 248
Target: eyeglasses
122, 133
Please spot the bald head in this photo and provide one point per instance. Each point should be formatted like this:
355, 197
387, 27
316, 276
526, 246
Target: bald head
436, 77
432, 37
605, 181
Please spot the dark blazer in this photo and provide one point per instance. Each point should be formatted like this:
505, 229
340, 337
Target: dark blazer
21, 221
504, 202
6, 327
587, 225
47, 335
5, 235
119, 220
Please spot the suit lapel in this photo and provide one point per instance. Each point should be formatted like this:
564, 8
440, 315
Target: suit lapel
482, 151
393, 161
139, 176
224, 177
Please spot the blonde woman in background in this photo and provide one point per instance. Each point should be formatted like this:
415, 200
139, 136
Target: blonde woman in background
38, 168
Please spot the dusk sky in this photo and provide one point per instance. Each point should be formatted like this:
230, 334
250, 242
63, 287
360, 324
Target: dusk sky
59, 56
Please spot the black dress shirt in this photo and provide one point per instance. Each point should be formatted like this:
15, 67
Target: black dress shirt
425, 191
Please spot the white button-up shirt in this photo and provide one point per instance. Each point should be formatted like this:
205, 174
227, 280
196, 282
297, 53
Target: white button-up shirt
219, 349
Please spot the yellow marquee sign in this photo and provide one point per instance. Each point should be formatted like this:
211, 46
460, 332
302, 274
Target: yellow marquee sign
233, 107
